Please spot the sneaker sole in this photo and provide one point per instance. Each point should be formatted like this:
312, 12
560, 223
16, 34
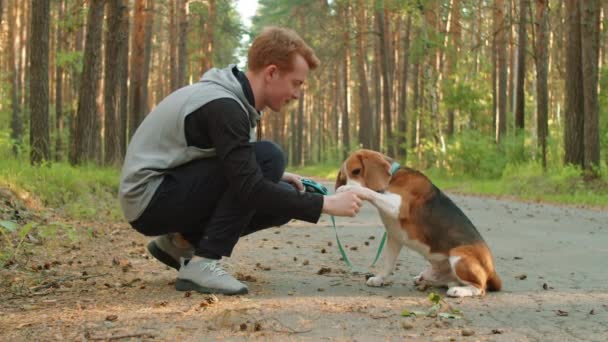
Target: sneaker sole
161, 256
187, 285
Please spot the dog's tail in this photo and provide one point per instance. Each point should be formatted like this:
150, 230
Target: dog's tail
494, 283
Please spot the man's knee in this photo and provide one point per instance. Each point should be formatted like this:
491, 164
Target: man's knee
271, 159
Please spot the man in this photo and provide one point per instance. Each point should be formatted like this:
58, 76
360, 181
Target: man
194, 175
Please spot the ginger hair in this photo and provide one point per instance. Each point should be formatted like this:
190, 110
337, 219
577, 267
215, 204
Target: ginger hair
278, 46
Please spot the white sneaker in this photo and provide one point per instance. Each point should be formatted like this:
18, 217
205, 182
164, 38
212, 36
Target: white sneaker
207, 276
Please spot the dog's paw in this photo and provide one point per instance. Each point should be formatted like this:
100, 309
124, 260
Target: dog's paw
419, 280
463, 291
375, 281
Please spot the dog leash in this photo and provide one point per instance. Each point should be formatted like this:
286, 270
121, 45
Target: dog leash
314, 187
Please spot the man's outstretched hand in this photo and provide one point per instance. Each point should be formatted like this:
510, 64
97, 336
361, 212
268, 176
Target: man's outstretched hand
346, 203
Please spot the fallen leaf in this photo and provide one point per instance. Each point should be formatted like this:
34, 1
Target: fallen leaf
407, 325
111, 318
561, 313
521, 276
592, 312
497, 331
467, 332
324, 270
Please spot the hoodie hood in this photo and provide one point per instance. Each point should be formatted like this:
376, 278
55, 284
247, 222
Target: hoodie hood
227, 80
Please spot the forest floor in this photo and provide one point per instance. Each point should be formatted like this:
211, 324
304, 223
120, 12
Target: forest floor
99, 283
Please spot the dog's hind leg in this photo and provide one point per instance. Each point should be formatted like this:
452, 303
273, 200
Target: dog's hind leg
471, 277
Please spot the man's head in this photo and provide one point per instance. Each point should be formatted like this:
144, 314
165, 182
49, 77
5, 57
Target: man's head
278, 63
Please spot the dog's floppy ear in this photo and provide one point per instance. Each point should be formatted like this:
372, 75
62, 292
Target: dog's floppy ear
340, 179
376, 171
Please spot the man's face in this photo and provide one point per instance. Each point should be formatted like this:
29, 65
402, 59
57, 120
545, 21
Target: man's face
284, 86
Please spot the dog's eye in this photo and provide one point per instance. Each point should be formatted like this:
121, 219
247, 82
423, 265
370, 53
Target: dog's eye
356, 172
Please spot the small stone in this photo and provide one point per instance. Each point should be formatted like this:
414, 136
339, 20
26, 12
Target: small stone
353, 248
243, 326
324, 270
497, 331
521, 276
372, 237
366, 243
320, 289
545, 286
305, 262
467, 332
329, 243
407, 325
323, 251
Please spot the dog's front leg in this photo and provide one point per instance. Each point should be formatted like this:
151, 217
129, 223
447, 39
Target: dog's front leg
388, 204
393, 247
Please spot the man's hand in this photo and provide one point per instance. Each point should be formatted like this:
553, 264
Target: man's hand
294, 180
345, 203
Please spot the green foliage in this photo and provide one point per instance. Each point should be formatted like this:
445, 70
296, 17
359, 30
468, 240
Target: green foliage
86, 192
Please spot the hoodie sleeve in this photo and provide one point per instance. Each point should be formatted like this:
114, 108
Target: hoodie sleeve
222, 124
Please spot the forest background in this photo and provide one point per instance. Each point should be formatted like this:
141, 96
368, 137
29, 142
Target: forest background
495, 97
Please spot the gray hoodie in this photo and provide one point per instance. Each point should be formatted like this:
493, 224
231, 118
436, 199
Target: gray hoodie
159, 143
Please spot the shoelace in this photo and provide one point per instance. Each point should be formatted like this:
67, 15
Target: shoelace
215, 268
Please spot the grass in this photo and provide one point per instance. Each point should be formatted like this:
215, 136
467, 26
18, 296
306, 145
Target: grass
85, 192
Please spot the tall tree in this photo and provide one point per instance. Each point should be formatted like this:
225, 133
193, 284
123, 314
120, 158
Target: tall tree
87, 132
39, 84
344, 9
542, 66
365, 109
575, 118
148, 28
402, 116
182, 52
590, 47
501, 55
14, 76
123, 79
386, 81
59, 70
173, 43
136, 85
452, 60
116, 40
522, 37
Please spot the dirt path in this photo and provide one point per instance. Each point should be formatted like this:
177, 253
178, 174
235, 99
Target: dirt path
553, 262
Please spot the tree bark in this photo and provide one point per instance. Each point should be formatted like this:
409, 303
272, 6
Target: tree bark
87, 125
13, 79
365, 109
173, 43
574, 116
501, 44
182, 52
590, 47
386, 85
136, 110
115, 43
542, 63
345, 81
452, 59
39, 85
521, 65
59, 122
402, 116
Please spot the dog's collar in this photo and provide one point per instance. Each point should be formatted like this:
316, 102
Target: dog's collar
394, 168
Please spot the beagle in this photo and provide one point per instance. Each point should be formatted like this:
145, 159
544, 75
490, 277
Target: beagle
417, 214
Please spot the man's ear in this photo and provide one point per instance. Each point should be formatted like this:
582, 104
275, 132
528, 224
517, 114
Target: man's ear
340, 179
376, 172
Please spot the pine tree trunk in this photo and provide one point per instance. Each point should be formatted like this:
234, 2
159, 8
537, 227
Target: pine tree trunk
574, 127
87, 129
542, 63
182, 52
173, 43
39, 85
365, 109
521, 65
123, 80
402, 117
13, 80
452, 59
149, 26
115, 43
136, 85
386, 85
59, 122
345, 80
590, 46
501, 44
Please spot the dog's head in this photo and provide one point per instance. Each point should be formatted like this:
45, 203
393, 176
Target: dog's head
367, 168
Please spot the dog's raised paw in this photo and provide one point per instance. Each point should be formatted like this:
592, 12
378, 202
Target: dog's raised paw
375, 281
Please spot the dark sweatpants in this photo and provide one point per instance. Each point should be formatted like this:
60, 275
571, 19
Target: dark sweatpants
194, 199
